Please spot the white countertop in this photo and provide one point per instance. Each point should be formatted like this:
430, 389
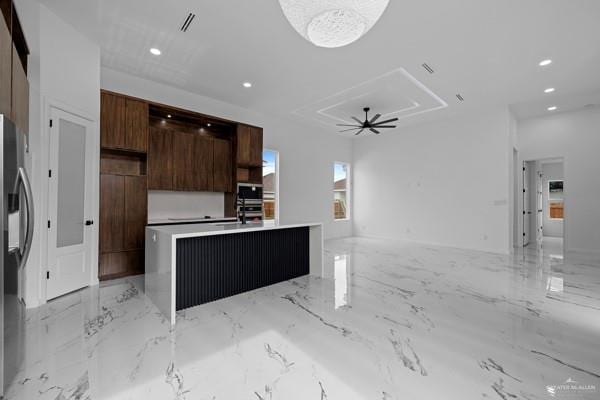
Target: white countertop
187, 220
194, 230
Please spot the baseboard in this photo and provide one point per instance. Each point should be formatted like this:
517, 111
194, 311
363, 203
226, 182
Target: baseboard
584, 254
447, 245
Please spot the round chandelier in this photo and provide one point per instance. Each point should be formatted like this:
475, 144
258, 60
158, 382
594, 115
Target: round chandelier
333, 23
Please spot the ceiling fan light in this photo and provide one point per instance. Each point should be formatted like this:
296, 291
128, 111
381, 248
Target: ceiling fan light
333, 23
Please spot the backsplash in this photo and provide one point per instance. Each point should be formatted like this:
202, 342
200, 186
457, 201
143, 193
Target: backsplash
166, 204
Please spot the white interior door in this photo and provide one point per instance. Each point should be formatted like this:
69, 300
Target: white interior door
526, 206
69, 203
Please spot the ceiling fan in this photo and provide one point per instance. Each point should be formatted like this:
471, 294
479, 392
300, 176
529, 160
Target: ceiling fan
369, 124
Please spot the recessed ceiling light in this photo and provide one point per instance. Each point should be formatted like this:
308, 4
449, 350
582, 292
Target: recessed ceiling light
155, 51
208, 124
247, 85
549, 90
168, 115
552, 108
543, 63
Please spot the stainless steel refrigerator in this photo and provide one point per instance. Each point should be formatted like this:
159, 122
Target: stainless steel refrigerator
16, 234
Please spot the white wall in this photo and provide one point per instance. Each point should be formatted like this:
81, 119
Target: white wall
575, 136
443, 183
306, 155
551, 172
63, 71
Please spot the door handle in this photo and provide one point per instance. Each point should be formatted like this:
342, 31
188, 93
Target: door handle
24, 180
89, 222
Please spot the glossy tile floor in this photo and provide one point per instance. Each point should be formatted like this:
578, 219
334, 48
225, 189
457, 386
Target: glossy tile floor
398, 321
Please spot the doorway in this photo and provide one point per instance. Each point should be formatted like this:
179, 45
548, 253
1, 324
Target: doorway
543, 203
69, 203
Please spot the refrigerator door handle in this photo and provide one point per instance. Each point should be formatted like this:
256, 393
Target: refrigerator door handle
24, 179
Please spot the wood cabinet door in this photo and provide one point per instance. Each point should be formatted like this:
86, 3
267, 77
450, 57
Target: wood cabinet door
160, 160
5, 68
256, 147
243, 145
20, 93
136, 205
203, 167
112, 212
183, 161
249, 146
222, 169
112, 121
136, 125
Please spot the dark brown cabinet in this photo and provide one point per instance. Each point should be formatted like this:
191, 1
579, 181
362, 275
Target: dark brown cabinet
183, 161
20, 94
123, 213
203, 169
14, 86
136, 125
160, 160
123, 123
249, 146
112, 213
5, 68
136, 203
222, 166
193, 162
190, 162
112, 121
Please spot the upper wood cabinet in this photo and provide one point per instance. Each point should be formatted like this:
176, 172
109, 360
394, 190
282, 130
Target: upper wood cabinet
249, 146
112, 121
203, 169
14, 87
183, 161
192, 162
136, 125
20, 94
123, 123
5, 68
222, 166
160, 160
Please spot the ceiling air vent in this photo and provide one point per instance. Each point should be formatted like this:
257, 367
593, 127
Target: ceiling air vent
459, 97
427, 68
187, 22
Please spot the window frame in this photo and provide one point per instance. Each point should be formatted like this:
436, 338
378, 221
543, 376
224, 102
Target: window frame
348, 190
276, 187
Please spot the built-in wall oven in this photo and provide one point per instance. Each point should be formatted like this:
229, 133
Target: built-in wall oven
250, 201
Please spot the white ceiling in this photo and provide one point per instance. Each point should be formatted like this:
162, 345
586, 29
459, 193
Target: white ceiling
486, 50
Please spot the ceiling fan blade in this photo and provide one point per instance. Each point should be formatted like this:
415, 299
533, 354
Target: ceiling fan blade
359, 132
358, 120
374, 131
351, 129
386, 121
384, 126
375, 118
358, 126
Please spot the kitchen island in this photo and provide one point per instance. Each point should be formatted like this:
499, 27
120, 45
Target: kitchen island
192, 264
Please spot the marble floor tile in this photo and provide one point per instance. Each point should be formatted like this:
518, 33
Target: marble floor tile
390, 321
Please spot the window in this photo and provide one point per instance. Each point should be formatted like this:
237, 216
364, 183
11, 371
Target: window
270, 185
341, 191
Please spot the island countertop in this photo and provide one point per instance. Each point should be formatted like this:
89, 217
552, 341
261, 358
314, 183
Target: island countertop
195, 230
191, 264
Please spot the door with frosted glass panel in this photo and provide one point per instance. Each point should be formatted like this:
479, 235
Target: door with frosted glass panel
69, 204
